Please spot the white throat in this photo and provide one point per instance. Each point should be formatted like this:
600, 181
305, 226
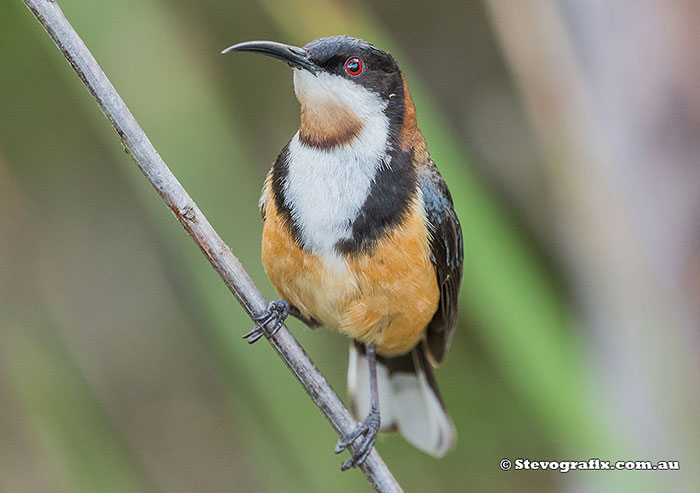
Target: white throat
326, 188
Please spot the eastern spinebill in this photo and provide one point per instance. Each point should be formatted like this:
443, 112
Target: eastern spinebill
360, 236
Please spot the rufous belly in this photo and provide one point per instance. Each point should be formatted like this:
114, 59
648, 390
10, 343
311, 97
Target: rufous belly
385, 297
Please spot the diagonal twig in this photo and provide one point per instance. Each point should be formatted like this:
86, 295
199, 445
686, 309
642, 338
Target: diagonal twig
217, 252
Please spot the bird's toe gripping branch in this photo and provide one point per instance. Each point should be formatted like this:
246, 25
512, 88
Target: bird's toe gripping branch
269, 322
365, 435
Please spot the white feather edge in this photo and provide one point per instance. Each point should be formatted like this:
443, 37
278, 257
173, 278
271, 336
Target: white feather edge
406, 401
358, 388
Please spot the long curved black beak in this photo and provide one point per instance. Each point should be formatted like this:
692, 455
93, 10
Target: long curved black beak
296, 57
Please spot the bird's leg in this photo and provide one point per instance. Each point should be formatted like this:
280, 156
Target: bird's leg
310, 322
269, 321
366, 433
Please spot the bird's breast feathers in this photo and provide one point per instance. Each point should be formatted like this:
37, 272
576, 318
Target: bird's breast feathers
385, 296
325, 189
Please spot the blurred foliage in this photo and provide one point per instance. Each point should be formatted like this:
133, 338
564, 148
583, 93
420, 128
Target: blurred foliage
122, 366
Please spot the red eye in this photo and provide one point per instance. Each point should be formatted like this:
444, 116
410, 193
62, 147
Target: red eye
354, 66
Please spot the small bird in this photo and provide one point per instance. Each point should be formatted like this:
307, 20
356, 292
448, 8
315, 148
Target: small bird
360, 236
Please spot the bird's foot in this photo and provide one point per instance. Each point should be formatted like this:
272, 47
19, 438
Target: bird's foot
364, 435
269, 321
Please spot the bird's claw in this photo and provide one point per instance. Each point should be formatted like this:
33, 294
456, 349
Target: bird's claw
269, 321
366, 432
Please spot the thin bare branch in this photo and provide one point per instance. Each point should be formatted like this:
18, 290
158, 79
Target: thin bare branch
219, 254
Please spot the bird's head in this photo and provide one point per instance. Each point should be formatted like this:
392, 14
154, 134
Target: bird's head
345, 86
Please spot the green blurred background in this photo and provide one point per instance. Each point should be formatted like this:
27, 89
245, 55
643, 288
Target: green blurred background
569, 134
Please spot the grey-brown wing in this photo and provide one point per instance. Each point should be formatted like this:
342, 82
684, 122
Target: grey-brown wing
446, 254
